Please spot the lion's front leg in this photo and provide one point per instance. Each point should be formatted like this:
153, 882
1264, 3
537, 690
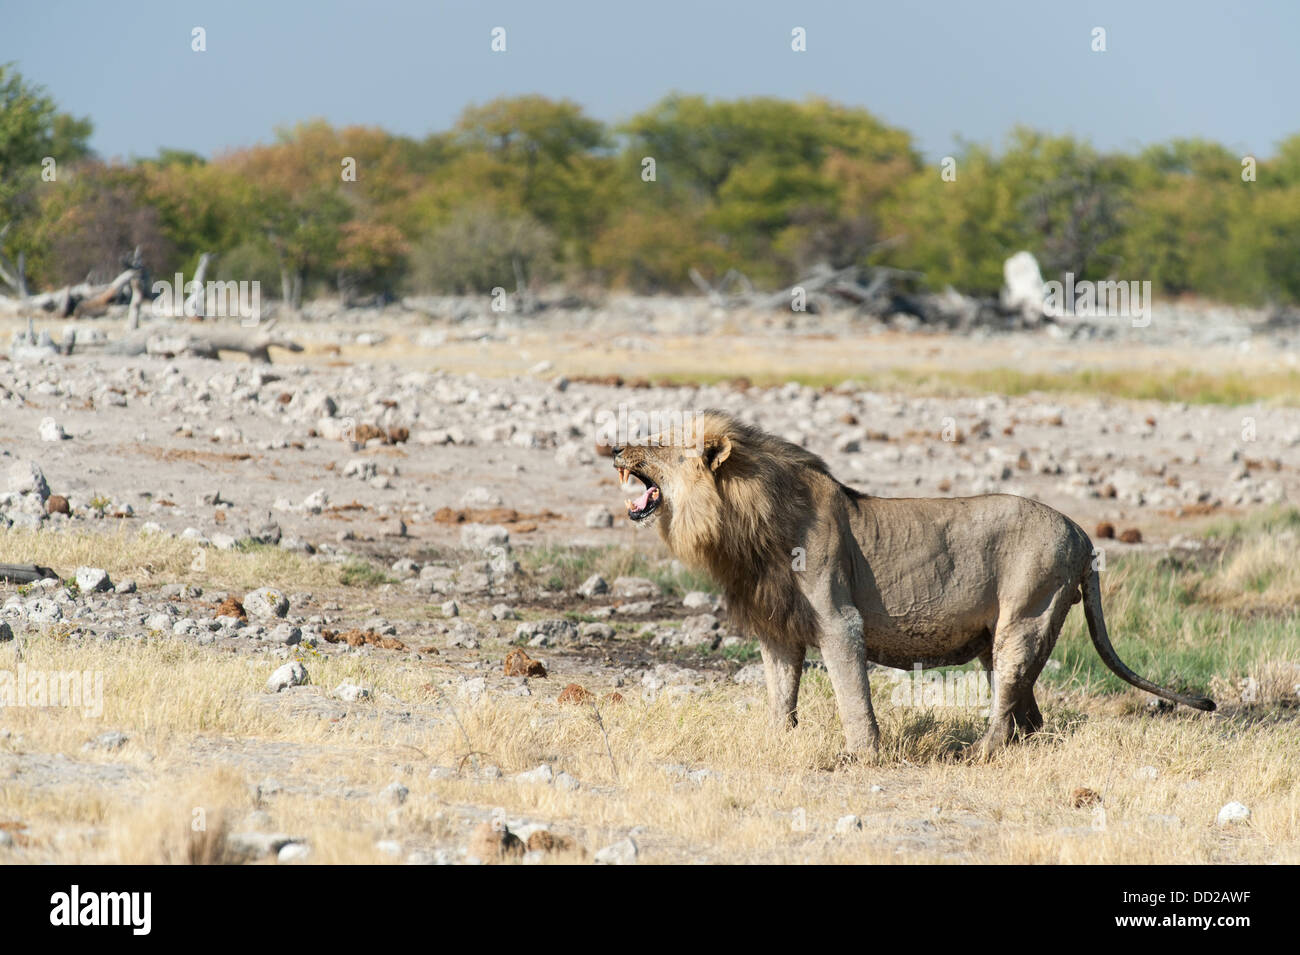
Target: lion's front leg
782, 669
844, 651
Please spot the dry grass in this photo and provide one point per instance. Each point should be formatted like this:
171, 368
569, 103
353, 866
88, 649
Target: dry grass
203, 735
770, 797
161, 559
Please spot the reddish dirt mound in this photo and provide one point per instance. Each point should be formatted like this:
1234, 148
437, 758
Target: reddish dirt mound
1083, 797
491, 515
575, 694
519, 663
230, 607
357, 638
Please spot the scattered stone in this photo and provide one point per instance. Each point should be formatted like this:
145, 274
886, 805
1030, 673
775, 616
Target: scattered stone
291, 674
57, 504
26, 477
91, 580
1233, 812
623, 852
1131, 536
286, 634
847, 824
108, 742
395, 793
1104, 531
547, 633
699, 600
599, 517
350, 692
636, 588
490, 844
463, 634
593, 585
542, 775
482, 537
293, 852
265, 603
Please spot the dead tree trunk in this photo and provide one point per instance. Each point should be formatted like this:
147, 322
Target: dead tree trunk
197, 302
14, 275
25, 573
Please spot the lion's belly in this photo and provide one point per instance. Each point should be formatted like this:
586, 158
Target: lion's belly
930, 594
904, 635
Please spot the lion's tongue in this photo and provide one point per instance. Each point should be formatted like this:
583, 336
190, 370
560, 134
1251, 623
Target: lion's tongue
642, 502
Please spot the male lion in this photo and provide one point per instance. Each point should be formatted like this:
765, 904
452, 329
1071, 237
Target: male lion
805, 561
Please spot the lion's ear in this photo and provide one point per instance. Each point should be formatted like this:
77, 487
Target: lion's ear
716, 450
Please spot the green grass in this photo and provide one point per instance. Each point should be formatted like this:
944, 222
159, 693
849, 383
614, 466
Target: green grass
359, 573
1178, 385
565, 568
746, 652
1165, 623
1271, 521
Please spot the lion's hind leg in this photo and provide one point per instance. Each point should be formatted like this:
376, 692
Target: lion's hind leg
1021, 646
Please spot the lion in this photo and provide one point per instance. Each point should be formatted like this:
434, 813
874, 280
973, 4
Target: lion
806, 561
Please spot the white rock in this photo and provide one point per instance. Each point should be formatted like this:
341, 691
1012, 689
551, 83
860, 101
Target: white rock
265, 603
595, 584
51, 430
26, 477
542, 775
351, 692
635, 587
316, 501
293, 852
623, 852
480, 537
480, 497
92, 580
1231, 813
291, 674
847, 824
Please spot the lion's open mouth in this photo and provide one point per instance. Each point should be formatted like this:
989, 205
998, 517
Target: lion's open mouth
645, 505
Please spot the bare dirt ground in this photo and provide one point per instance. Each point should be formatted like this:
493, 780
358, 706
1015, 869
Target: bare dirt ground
425, 495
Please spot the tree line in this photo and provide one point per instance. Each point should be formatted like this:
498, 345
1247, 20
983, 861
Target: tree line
530, 190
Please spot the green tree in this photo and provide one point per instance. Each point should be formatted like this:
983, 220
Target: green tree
32, 129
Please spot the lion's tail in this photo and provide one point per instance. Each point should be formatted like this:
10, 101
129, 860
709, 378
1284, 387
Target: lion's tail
1100, 639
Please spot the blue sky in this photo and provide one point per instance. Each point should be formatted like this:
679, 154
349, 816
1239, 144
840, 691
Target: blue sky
965, 69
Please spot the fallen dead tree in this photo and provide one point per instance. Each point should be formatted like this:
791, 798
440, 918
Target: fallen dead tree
91, 300
875, 291
26, 573
175, 338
